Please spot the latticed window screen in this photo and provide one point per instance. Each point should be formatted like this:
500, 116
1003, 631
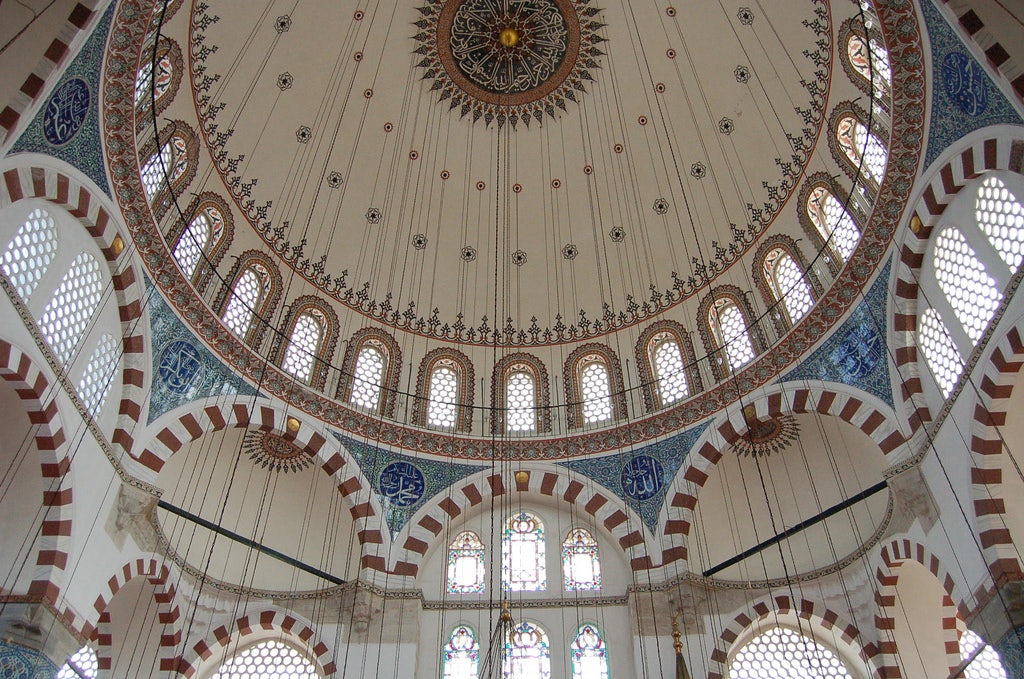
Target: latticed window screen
268, 659
857, 143
520, 402
595, 390
82, 665
466, 564
1001, 217
962, 277
30, 252
522, 554
304, 344
164, 74
589, 654
730, 329
245, 298
67, 315
781, 653
153, 170
581, 565
98, 376
940, 352
527, 655
669, 369
461, 655
442, 397
872, 63
833, 222
191, 244
986, 663
788, 283
369, 372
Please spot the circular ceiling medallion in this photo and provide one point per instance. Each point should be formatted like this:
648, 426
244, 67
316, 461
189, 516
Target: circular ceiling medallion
508, 61
274, 452
764, 437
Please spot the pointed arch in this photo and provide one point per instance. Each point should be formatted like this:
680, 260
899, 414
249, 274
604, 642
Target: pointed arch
731, 336
253, 291
667, 374
787, 284
161, 84
166, 170
831, 223
860, 151
199, 241
594, 386
370, 371
865, 59
454, 400
306, 346
527, 373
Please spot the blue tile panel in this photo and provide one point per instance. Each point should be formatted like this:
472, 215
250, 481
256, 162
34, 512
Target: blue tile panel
18, 662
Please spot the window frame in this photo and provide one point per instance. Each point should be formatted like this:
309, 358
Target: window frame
389, 379
324, 351
465, 379
648, 372
578, 360
503, 369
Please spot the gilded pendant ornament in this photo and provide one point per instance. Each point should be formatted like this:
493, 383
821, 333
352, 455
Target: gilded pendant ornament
508, 60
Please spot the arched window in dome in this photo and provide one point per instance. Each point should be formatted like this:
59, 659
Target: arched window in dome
970, 290
782, 279
861, 149
70, 310
581, 564
442, 403
667, 365
527, 655
312, 332
519, 396
247, 295
589, 654
83, 664
940, 351
270, 658
727, 332
522, 554
97, 379
29, 254
161, 87
370, 371
593, 386
444, 391
832, 222
201, 244
985, 662
466, 564
866, 60
169, 168
1000, 216
781, 653
461, 655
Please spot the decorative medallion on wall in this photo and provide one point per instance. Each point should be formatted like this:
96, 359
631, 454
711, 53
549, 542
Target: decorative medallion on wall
66, 112
402, 483
966, 83
508, 62
180, 364
275, 452
642, 477
767, 436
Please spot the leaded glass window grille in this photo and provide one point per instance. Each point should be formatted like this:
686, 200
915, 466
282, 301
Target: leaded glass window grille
522, 554
466, 564
173, 158
781, 653
668, 368
98, 376
833, 222
730, 330
304, 344
962, 277
29, 254
250, 288
858, 143
1001, 217
940, 352
82, 665
443, 395
461, 655
986, 663
268, 659
581, 565
871, 61
520, 401
527, 655
595, 390
788, 284
67, 315
589, 654
164, 73
369, 374
191, 244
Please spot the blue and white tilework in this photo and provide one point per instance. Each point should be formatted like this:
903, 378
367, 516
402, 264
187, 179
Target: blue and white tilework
184, 370
855, 354
964, 98
18, 662
68, 124
641, 477
403, 484
1011, 652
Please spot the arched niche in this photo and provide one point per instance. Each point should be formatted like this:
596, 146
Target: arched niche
133, 621
922, 619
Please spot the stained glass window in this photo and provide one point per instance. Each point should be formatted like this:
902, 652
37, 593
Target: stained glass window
669, 370
1001, 216
466, 564
581, 566
98, 376
67, 315
872, 63
461, 654
82, 665
730, 330
30, 252
246, 296
443, 395
986, 663
369, 373
520, 401
595, 390
857, 143
940, 352
522, 554
268, 659
833, 222
788, 283
781, 653
962, 277
304, 344
589, 654
527, 655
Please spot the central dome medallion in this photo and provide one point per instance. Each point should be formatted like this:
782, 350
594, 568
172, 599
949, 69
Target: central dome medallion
508, 60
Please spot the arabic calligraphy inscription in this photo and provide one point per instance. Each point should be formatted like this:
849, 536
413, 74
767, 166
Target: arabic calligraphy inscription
66, 112
402, 483
642, 477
